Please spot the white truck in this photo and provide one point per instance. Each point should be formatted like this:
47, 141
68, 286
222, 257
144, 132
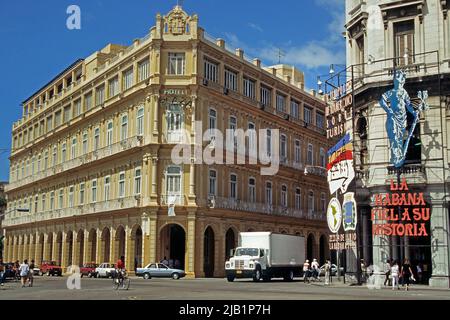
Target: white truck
266, 255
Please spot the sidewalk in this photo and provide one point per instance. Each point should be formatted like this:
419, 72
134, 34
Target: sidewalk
340, 284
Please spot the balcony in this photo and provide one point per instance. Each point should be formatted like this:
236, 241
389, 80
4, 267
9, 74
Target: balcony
414, 173
316, 171
256, 207
171, 199
82, 210
88, 158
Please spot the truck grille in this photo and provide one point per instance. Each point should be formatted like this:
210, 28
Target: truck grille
239, 264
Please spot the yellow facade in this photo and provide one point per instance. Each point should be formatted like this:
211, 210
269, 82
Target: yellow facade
93, 166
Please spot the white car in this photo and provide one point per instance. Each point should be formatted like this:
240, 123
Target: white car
105, 270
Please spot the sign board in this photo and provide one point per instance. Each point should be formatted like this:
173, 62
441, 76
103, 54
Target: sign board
350, 219
340, 164
334, 215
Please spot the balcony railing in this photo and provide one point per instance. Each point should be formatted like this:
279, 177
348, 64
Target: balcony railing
317, 171
90, 157
256, 207
168, 200
103, 206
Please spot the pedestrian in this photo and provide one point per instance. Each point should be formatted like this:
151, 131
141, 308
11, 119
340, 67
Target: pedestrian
387, 272
31, 274
177, 264
315, 269
363, 270
419, 273
306, 272
171, 263
406, 274
395, 275
2, 272
164, 261
327, 272
24, 269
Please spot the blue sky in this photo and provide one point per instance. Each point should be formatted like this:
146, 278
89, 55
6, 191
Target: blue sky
36, 44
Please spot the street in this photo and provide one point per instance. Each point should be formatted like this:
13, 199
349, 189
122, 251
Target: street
55, 288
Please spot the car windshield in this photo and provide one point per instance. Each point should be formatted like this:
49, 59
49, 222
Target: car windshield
247, 252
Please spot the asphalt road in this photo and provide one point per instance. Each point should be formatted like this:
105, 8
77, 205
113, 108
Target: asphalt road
55, 288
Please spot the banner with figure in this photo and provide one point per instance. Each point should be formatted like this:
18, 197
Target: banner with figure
340, 164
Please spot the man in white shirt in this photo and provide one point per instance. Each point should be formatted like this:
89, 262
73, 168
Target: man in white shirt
315, 267
24, 269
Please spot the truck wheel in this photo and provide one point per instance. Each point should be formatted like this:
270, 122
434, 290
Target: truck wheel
257, 276
289, 276
230, 278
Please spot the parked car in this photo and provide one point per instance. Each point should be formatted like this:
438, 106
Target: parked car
105, 270
88, 270
159, 270
50, 268
10, 272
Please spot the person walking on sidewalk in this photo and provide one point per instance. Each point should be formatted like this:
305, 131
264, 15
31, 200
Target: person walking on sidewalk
30, 274
406, 274
2, 272
387, 270
24, 269
395, 275
306, 271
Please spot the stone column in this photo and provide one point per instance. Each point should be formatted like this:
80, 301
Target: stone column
87, 249
190, 245
381, 252
112, 246
154, 192
129, 249
153, 236
64, 251
55, 247
192, 183
75, 248
99, 250
46, 248
155, 118
439, 226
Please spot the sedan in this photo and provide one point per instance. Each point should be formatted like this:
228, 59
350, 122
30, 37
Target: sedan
159, 270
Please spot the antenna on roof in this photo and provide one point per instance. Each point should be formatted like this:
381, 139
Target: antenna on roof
280, 54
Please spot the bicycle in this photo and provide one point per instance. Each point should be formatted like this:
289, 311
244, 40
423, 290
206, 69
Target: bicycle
121, 280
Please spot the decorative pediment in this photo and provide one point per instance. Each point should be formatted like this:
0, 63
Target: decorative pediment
176, 22
358, 25
402, 8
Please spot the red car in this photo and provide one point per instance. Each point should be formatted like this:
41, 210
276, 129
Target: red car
88, 269
50, 268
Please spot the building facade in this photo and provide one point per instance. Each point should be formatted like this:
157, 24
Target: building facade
92, 171
413, 36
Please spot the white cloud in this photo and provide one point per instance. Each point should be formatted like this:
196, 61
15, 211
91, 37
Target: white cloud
254, 26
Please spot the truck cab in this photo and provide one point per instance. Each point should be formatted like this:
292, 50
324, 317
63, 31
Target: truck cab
246, 263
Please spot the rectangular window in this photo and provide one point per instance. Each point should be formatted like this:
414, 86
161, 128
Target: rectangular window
100, 95
43, 208
63, 152
137, 181
128, 76
55, 156
297, 152
319, 120
88, 101
283, 148
233, 186
252, 190
109, 133
77, 108
73, 149
269, 193
113, 87
307, 115
211, 70
67, 113
266, 96
294, 109
281, 103
107, 188
94, 191
173, 181
231, 80
85, 142
96, 139
249, 88
61, 198
322, 158
310, 157
140, 122
46, 160
298, 199
143, 69
58, 118
71, 202
124, 128
284, 199
404, 42
212, 183
176, 63
82, 192
122, 185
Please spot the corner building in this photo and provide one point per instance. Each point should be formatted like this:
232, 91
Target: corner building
91, 171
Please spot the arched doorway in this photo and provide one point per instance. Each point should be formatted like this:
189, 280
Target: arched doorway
92, 245
59, 245
80, 242
120, 243
49, 254
69, 243
40, 253
106, 244
173, 244
208, 252
322, 249
310, 247
138, 248
230, 243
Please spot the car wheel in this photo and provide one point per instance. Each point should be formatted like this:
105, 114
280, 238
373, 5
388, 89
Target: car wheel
41, 274
98, 275
108, 275
147, 276
175, 276
48, 273
230, 278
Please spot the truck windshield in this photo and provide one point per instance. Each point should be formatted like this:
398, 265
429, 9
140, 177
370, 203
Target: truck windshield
247, 252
